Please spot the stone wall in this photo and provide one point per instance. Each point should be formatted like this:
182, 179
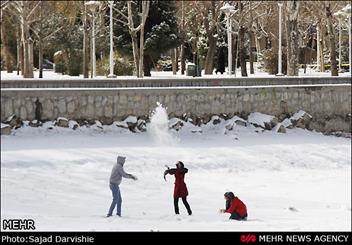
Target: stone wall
170, 82
330, 105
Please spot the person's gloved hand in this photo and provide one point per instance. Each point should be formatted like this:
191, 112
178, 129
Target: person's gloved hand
222, 210
134, 177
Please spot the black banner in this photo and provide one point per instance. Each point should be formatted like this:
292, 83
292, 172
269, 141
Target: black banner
152, 237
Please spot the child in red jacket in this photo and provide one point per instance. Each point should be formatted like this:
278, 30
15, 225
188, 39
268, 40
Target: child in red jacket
235, 207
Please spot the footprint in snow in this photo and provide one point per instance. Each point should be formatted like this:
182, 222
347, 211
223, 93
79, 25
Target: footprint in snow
293, 209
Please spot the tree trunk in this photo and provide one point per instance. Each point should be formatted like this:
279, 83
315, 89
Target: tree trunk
18, 63
9, 59
26, 61
234, 53
292, 35
209, 60
147, 66
177, 53
85, 45
40, 63
31, 54
322, 66
135, 52
27, 69
321, 53
173, 61
183, 60
141, 52
333, 68
242, 52
22, 58
40, 58
257, 47
251, 46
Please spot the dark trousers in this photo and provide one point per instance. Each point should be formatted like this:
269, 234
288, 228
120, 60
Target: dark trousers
184, 200
236, 216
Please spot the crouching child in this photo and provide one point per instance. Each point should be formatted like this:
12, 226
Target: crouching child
235, 207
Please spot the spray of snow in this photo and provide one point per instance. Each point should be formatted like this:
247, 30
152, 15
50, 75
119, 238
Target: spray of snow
159, 127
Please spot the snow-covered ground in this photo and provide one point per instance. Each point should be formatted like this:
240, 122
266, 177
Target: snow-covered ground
49, 74
296, 181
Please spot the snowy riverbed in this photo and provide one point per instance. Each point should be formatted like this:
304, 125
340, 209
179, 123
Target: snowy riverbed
296, 181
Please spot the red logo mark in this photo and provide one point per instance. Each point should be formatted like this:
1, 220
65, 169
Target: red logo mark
248, 238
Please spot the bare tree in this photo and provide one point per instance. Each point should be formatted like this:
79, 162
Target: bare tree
321, 14
261, 29
45, 27
210, 12
138, 52
25, 12
192, 26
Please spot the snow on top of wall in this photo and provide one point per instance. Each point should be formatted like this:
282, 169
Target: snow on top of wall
178, 88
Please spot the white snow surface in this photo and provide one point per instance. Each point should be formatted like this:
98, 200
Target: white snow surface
59, 178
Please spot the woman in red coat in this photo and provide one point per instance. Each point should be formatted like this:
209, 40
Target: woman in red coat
235, 207
180, 190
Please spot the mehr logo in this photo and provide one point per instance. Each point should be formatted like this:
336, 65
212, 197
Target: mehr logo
248, 238
18, 224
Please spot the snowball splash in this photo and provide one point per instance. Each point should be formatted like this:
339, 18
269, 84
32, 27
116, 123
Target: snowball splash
158, 127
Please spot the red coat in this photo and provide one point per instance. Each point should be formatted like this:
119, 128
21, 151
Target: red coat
237, 206
180, 189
